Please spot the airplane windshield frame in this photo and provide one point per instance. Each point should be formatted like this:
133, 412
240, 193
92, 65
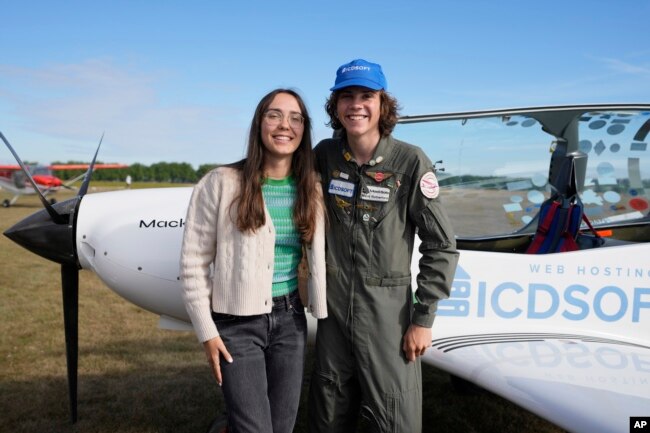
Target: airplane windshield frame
41, 171
496, 166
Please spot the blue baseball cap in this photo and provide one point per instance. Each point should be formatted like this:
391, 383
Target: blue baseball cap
360, 73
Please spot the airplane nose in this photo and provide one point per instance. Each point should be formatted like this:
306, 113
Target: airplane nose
42, 236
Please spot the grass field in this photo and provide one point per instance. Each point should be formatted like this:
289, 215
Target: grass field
135, 378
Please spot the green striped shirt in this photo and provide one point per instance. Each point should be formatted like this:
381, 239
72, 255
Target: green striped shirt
279, 198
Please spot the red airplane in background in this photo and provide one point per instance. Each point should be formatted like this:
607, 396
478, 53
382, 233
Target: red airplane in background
14, 181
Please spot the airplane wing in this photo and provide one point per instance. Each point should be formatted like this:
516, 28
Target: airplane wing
15, 167
82, 168
580, 383
85, 166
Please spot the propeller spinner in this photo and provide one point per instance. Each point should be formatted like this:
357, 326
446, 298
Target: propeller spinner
50, 233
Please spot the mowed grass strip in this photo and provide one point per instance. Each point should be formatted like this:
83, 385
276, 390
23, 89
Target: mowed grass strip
136, 378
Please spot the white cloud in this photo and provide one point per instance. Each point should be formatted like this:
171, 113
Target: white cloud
625, 67
63, 110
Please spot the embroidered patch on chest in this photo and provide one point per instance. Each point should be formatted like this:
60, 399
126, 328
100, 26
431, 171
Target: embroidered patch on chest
378, 176
376, 193
339, 187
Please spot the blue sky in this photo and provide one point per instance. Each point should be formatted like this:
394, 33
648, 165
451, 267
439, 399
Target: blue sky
178, 81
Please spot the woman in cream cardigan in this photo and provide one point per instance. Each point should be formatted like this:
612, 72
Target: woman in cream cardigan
248, 226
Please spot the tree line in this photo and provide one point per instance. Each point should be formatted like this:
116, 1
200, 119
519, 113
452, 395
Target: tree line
173, 172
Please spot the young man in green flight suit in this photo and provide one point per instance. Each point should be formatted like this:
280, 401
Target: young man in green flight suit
378, 191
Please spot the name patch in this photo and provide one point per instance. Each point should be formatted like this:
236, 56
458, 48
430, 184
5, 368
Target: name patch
339, 187
376, 193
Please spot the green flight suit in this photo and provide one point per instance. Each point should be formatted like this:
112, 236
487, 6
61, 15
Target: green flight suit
374, 211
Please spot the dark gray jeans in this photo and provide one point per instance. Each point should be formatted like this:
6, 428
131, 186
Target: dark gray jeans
262, 386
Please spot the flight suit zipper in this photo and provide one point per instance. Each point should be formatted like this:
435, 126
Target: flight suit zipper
350, 316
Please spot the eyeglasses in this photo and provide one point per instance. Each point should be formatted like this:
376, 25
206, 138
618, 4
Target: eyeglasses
275, 117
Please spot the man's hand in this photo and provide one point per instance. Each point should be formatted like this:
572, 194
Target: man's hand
416, 341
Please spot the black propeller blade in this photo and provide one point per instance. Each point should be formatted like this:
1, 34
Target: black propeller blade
70, 287
50, 233
89, 172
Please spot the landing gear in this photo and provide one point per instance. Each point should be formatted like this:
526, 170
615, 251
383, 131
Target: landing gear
52, 200
6, 203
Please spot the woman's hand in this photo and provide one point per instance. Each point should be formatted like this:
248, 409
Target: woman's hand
214, 349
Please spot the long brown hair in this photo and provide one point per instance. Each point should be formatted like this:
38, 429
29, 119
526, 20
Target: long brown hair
250, 203
388, 114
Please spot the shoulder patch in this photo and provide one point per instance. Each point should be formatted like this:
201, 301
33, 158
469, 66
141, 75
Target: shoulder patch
429, 185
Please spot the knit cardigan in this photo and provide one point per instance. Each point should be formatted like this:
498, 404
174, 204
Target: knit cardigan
228, 271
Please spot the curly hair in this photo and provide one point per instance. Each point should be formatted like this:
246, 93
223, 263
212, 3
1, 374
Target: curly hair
388, 114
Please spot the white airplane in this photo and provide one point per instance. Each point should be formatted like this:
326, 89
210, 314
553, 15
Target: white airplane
565, 335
